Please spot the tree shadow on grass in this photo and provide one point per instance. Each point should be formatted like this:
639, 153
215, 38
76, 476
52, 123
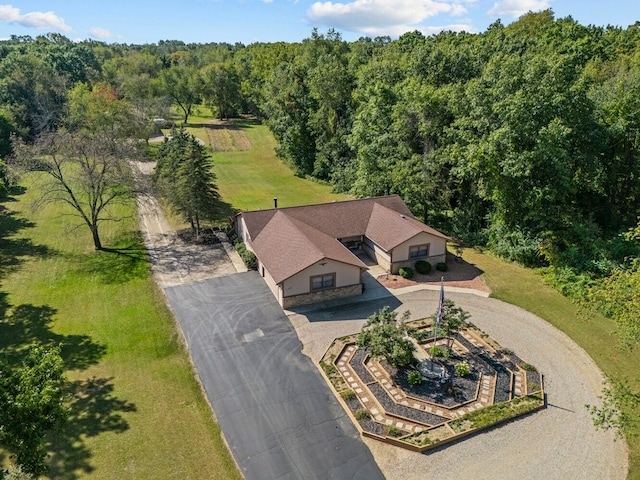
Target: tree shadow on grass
26, 325
94, 407
14, 250
94, 410
126, 260
224, 211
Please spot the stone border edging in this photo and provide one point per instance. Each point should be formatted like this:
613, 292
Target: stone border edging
402, 440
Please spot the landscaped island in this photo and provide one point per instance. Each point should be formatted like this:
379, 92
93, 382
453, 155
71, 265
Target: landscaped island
479, 385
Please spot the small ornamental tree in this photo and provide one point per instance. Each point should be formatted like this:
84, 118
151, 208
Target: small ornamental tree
453, 320
387, 338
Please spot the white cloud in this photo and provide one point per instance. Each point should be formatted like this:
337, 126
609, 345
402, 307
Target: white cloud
383, 17
40, 20
399, 30
102, 33
516, 8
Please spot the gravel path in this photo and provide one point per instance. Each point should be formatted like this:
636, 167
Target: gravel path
557, 443
175, 262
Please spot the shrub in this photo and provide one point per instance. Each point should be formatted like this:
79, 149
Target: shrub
246, 255
362, 414
329, 368
421, 334
435, 351
406, 272
348, 395
462, 369
394, 432
423, 267
414, 377
441, 267
528, 367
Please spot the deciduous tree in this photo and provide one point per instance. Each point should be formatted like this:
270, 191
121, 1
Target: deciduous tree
183, 85
32, 405
90, 173
387, 338
453, 320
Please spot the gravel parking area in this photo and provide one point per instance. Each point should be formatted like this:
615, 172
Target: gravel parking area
559, 442
175, 262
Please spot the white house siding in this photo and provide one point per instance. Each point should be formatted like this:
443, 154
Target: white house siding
273, 286
241, 230
437, 246
376, 253
300, 283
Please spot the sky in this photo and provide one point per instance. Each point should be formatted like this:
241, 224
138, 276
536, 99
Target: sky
249, 21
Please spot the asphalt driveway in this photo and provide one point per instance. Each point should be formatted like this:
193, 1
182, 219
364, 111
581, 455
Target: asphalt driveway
279, 417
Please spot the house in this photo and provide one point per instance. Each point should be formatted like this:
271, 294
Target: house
312, 253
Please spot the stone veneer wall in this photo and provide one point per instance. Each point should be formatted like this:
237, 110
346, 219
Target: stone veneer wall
321, 296
412, 263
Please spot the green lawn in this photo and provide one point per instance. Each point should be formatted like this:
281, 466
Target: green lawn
137, 410
596, 334
251, 179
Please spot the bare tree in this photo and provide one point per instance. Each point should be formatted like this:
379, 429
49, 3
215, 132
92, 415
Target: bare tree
90, 173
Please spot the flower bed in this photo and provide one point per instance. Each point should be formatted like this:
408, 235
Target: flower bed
384, 405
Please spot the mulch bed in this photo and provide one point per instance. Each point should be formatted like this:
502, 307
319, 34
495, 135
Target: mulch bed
391, 406
459, 274
431, 390
357, 364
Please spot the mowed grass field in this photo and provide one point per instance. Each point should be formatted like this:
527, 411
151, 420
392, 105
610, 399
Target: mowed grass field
137, 410
596, 334
249, 175
251, 179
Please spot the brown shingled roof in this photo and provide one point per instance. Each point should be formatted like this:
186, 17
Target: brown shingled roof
389, 228
288, 240
287, 246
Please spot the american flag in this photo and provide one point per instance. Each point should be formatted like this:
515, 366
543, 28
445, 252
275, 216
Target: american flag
441, 305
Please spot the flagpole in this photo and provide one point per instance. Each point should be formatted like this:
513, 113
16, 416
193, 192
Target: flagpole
438, 317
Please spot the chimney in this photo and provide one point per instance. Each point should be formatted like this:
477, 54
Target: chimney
275, 203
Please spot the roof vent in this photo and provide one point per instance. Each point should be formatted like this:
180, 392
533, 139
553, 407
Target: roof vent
275, 203
402, 216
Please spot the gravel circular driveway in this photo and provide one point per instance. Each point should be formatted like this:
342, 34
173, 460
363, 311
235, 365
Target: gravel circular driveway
559, 442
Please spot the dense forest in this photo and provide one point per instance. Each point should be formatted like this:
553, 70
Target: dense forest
523, 139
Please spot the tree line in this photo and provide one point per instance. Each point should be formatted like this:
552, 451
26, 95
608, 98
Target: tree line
523, 138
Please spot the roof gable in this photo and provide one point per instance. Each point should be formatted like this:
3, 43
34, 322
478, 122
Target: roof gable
288, 240
287, 246
389, 228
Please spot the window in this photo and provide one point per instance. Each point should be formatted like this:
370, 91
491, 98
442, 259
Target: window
320, 282
418, 251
